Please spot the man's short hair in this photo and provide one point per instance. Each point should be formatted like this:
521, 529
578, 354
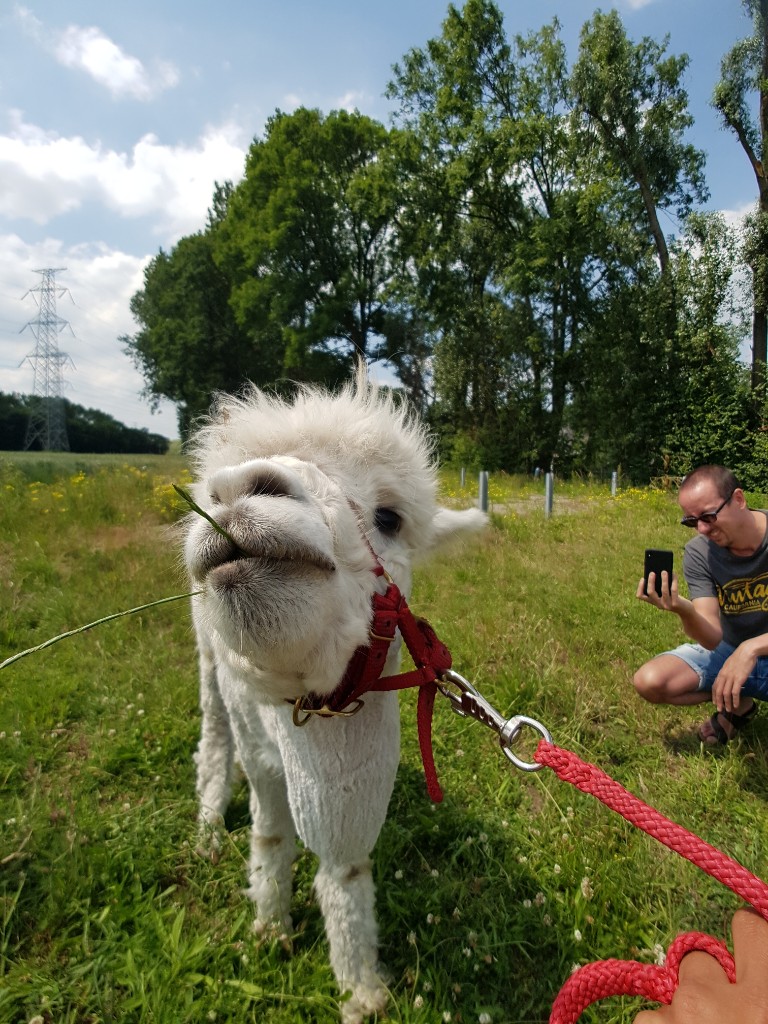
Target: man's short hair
723, 478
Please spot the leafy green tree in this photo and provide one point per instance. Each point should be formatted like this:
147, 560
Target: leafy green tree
632, 409
306, 241
496, 253
744, 74
527, 219
189, 343
631, 94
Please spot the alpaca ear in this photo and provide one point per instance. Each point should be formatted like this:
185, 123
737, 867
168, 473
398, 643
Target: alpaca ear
449, 524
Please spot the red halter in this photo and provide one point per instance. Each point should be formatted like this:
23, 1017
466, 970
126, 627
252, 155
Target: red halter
363, 673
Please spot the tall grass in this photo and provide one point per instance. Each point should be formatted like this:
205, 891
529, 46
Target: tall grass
485, 901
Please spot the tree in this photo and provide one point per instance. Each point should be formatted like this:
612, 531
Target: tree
524, 223
88, 430
189, 343
744, 72
306, 241
488, 227
631, 94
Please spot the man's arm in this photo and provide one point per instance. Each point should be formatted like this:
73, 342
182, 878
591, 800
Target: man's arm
699, 618
726, 690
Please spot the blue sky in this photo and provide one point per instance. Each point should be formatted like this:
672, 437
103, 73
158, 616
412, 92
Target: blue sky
116, 119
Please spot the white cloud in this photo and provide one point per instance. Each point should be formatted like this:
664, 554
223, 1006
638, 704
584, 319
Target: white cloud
100, 282
91, 51
88, 49
735, 218
352, 100
46, 175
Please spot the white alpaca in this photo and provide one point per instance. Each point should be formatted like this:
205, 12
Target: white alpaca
308, 491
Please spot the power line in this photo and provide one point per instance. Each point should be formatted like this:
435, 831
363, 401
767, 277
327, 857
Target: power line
47, 423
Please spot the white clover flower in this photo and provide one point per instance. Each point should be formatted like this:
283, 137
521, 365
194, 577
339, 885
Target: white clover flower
418, 1002
435, 873
539, 899
430, 918
399, 874
577, 935
412, 938
483, 837
527, 904
484, 1018
459, 752
447, 1016
557, 869
547, 920
586, 888
659, 955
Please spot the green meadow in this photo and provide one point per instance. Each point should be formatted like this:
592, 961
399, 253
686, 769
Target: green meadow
486, 901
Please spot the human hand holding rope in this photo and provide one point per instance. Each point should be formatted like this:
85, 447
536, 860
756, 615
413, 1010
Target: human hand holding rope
704, 994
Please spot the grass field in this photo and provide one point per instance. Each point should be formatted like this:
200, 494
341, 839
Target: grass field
485, 901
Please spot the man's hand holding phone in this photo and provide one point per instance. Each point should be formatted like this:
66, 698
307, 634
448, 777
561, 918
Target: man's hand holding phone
659, 583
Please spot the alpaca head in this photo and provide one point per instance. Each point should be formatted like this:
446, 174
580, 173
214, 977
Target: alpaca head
310, 492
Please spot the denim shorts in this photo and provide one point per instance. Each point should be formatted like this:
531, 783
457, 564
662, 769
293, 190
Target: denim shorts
707, 664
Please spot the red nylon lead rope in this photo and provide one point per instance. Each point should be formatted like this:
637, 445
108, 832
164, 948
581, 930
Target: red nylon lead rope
626, 977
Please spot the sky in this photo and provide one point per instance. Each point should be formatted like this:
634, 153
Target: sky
117, 119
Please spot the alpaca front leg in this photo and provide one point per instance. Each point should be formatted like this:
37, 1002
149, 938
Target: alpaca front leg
273, 836
346, 897
273, 848
214, 757
340, 774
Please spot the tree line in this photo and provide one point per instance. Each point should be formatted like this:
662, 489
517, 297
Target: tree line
88, 430
524, 247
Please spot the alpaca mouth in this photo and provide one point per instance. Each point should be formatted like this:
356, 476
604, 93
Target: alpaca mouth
298, 557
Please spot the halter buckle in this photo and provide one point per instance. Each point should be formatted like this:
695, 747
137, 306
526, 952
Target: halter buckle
323, 712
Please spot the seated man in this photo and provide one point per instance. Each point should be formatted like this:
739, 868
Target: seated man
726, 569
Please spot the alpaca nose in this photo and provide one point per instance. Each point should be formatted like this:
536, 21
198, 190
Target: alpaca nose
258, 478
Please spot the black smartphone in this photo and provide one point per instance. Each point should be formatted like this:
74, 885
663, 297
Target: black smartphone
657, 561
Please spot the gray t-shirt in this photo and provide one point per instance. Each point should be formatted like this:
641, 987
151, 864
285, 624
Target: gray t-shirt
739, 584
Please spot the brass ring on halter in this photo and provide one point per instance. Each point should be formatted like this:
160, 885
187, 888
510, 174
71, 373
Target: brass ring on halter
323, 712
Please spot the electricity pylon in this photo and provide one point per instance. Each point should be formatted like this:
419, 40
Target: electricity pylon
47, 423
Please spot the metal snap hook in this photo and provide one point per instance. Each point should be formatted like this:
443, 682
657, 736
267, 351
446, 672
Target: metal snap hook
509, 734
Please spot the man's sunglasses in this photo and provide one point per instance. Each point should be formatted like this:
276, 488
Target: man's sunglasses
705, 517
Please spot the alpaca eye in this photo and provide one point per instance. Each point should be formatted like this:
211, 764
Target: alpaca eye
386, 520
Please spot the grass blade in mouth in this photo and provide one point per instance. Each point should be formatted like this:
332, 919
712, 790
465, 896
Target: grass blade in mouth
98, 622
201, 512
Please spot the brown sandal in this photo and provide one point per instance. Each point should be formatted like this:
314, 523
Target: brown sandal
719, 737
